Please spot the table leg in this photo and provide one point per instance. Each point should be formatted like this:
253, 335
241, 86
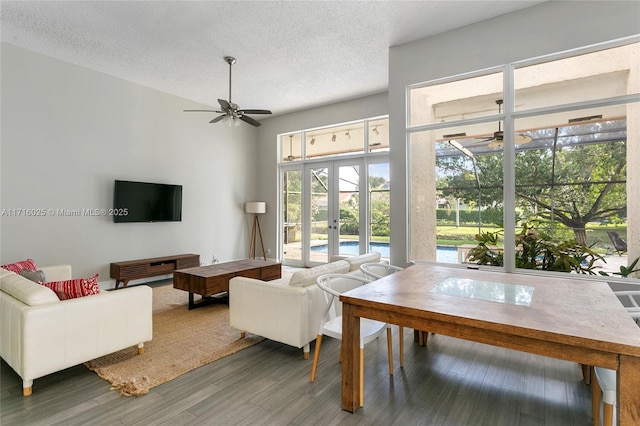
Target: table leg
208, 300
628, 394
350, 359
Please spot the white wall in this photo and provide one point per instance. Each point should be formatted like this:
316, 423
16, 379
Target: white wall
366, 107
68, 132
543, 29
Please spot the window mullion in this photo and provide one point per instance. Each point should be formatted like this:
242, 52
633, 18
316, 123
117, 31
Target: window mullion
509, 158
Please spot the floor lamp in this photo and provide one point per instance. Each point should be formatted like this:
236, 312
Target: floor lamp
256, 208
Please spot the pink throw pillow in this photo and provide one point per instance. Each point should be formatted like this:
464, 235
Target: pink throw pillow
16, 267
71, 289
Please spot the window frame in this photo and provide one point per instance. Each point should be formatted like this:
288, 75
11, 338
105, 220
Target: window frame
508, 116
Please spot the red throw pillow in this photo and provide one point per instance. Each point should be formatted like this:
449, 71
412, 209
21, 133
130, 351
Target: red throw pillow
71, 289
19, 266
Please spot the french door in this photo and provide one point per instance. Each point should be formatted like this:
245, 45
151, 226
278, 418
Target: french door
333, 225
320, 209
331, 208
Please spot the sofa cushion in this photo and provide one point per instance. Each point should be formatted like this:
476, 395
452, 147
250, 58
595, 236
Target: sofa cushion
307, 277
71, 289
26, 291
356, 261
35, 276
18, 266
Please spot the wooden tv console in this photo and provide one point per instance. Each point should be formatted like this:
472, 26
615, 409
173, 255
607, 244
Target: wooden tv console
123, 272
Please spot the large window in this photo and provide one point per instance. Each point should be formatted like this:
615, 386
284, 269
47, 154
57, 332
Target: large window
335, 191
525, 165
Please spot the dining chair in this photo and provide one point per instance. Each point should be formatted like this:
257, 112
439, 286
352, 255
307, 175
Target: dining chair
334, 285
630, 298
379, 269
603, 380
375, 271
603, 383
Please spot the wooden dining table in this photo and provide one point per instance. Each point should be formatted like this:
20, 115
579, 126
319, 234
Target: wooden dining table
560, 317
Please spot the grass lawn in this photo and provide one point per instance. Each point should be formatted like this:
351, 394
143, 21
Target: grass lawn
596, 234
456, 236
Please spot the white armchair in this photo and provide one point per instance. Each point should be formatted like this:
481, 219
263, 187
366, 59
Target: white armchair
287, 311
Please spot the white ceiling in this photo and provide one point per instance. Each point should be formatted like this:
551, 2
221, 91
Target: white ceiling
291, 54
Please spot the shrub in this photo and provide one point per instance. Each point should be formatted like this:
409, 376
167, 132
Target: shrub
536, 250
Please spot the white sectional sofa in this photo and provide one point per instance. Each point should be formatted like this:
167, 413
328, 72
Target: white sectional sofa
287, 310
40, 334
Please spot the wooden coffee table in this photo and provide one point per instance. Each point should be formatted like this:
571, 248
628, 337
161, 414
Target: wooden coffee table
212, 281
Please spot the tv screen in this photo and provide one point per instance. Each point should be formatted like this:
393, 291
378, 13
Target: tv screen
146, 202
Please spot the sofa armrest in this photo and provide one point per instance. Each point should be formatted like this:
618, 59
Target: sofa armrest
276, 311
60, 335
57, 272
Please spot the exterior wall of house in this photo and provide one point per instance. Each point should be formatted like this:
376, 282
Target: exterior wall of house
542, 29
68, 132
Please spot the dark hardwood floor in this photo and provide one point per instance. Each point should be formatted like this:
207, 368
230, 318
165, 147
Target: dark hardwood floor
449, 382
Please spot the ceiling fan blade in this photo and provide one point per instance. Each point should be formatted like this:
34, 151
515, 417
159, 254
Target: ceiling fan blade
254, 111
226, 106
231, 110
250, 120
483, 141
521, 139
218, 118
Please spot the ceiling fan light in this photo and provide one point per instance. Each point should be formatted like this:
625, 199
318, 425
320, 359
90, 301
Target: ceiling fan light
231, 121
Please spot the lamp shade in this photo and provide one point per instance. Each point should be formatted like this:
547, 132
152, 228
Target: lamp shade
256, 207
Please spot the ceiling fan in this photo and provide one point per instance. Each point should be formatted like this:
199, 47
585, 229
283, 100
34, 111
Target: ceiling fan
498, 137
232, 111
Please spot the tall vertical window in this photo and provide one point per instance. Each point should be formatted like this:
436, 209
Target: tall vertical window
292, 213
379, 208
563, 143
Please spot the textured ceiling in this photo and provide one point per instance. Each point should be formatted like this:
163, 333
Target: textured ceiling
291, 54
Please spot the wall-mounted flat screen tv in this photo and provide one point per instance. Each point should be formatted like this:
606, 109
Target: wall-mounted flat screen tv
146, 202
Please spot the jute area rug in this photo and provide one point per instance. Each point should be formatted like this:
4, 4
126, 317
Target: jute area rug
183, 340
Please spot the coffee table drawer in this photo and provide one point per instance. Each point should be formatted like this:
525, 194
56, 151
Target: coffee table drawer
250, 273
272, 272
215, 285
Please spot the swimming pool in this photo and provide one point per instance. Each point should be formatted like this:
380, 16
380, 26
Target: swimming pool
443, 254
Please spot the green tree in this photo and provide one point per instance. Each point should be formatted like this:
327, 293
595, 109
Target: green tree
379, 206
292, 205
586, 183
573, 179
380, 211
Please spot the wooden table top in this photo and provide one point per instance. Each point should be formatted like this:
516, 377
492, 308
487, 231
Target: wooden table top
570, 311
227, 267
